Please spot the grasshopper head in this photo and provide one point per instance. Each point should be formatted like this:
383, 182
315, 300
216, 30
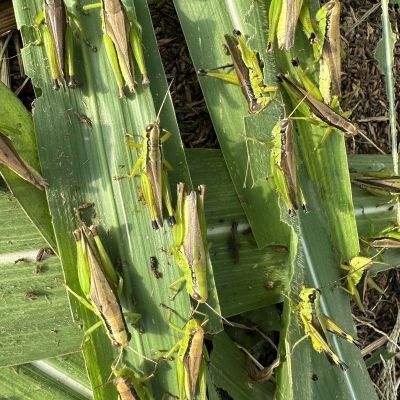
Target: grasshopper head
309, 295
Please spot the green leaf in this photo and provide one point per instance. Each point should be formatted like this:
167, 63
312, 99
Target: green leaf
16, 122
36, 321
384, 54
228, 371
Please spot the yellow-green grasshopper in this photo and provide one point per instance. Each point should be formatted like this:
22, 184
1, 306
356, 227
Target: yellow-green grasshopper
388, 238
381, 183
283, 166
283, 16
326, 116
190, 242
100, 285
58, 40
355, 271
154, 176
191, 360
130, 387
248, 73
330, 61
122, 36
316, 324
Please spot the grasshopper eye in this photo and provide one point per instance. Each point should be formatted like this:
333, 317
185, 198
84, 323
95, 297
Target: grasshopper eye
312, 297
149, 127
236, 32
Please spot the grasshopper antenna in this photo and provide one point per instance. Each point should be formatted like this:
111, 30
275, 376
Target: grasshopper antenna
370, 141
142, 355
217, 313
164, 99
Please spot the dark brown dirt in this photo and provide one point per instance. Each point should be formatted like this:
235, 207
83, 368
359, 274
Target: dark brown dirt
363, 84
191, 110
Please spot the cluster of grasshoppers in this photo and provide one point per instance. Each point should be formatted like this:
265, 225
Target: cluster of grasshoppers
122, 36
101, 286
318, 104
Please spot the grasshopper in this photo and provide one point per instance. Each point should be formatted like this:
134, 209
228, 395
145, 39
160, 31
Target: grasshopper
388, 238
323, 112
191, 361
58, 40
356, 268
248, 73
130, 387
122, 37
190, 243
12, 160
283, 165
99, 283
330, 62
379, 183
316, 324
154, 176
283, 16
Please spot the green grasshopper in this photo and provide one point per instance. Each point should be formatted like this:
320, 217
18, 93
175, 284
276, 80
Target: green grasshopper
283, 16
248, 73
283, 165
388, 238
100, 284
58, 40
379, 184
190, 242
130, 387
330, 61
316, 324
326, 116
356, 268
122, 37
12, 160
154, 177
191, 361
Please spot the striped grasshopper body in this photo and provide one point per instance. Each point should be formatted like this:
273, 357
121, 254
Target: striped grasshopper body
122, 36
130, 387
190, 245
283, 165
154, 176
316, 324
191, 360
58, 41
248, 73
98, 281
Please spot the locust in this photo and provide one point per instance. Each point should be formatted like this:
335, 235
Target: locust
316, 324
356, 268
323, 112
191, 360
330, 61
379, 183
283, 165
101, 286
58, 41
283, 16
122, 36
154, 176
190, 242
248, 73
12, 160
130, 387
388, 238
